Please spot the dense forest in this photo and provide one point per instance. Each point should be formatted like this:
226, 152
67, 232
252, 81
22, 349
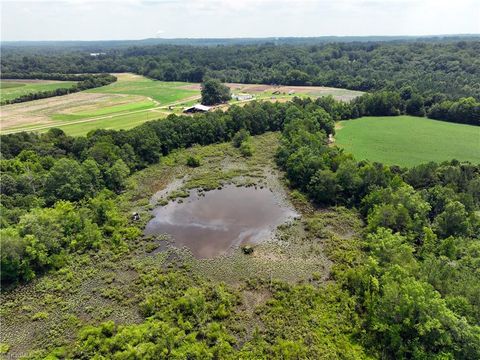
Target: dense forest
407, 289
102, 45
431, 67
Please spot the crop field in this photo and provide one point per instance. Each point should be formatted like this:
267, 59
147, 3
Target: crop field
122, 121
160, 92
11, 89
408, 140
130, 101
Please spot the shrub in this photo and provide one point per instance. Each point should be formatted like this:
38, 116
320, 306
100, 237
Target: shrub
193, 161
246, 149
241, 136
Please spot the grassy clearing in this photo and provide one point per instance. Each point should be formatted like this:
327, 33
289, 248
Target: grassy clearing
9, 85
408, 140
162, 92
126, 121
123, 108
14, 89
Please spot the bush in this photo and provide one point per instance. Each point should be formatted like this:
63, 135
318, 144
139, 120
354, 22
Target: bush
241, 136
246, 149
193, 161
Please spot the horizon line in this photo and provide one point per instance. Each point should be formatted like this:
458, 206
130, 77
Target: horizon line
254, 37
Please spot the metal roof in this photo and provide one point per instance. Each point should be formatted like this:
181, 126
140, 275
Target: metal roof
199, 107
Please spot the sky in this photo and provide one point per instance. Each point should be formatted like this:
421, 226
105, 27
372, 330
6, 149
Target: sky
139, 19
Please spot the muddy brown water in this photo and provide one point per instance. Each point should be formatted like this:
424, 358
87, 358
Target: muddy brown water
218, 221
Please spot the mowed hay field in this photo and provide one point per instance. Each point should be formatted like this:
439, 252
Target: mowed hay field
408, 140
12, 89
161, 92
132, 100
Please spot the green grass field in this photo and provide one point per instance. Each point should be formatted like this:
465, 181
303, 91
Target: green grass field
126, 121
130, 101
408, 140
9, 85
14, 89
109, 110
160, 91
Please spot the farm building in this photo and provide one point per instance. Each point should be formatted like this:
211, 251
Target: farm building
242, 97
197, 108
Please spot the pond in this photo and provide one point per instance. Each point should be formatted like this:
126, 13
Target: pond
213, 223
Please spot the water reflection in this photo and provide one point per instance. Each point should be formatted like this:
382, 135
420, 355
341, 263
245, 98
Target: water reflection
213, 224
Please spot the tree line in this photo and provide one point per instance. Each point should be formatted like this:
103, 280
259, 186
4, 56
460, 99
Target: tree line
85, 81
393, 103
